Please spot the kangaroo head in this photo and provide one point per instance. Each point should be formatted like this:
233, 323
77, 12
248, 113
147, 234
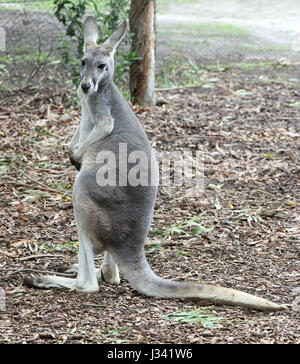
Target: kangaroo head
97, 64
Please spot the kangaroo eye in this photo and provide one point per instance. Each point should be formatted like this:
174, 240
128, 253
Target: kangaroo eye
83, 63
101, 66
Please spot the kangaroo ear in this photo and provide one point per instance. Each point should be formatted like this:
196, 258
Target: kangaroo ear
115, 39
90, 32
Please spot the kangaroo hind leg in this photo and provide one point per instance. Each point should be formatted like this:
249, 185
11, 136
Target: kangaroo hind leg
87, 275
86, 280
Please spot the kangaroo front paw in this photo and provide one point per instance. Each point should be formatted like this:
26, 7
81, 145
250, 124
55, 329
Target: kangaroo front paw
76, 164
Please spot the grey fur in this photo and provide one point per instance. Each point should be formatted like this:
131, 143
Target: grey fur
116, 219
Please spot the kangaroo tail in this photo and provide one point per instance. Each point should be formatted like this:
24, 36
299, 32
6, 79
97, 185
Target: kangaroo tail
144, 280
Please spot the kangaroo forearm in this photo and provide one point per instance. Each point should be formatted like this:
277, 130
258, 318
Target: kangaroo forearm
96, 135
74, 140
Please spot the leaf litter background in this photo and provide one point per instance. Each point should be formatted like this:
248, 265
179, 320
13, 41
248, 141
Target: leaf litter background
242, 232
250, 142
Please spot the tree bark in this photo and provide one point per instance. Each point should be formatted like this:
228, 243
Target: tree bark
142, 71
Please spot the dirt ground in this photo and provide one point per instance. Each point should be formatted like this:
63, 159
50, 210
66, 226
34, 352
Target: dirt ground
247, 127
261, 29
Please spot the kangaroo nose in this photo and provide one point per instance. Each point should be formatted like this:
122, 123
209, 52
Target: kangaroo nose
86, 86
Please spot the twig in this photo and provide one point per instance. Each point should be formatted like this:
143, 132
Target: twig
6, 174
39, 63
20, 90
27, 102
161, 242
177, 88
6, 253
5, 109
43, 185
91, 305
27, 185
67, 207
40, 256
16, 289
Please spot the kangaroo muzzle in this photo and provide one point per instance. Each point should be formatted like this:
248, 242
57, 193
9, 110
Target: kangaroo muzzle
86, 86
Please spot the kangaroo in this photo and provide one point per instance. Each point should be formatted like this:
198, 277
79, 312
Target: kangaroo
115, 219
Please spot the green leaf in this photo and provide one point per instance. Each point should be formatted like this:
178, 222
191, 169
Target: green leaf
201, 230
107, 13
198, 316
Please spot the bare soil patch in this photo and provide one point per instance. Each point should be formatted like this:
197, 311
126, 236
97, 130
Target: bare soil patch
230, 30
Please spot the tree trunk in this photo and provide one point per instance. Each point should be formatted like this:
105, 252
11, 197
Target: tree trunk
142, 71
